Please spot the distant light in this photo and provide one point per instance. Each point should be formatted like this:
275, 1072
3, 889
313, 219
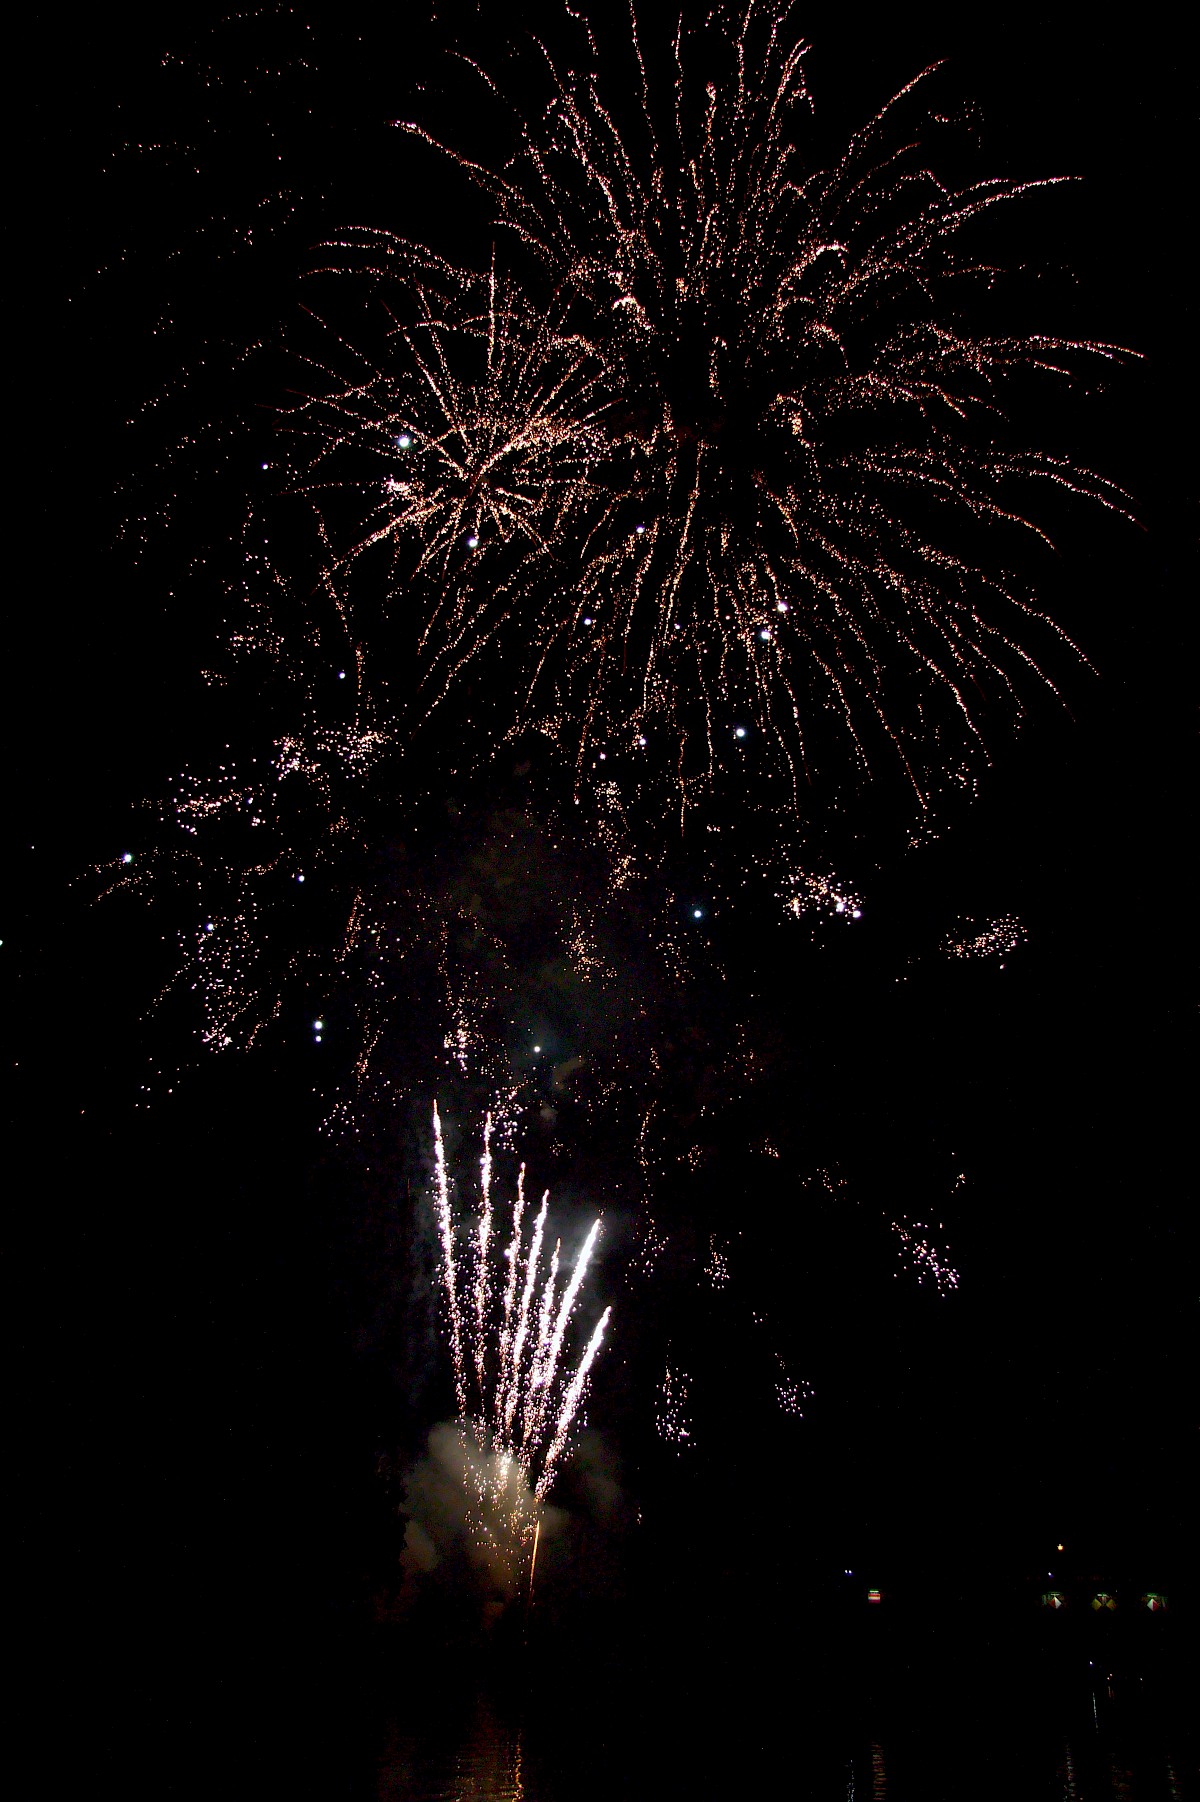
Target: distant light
537, 1048
208, 925
840, 908
266, 466
639, 529
856, 913
603, 756
127, 857
472, 542
299, 879
765, 633
739, 731
588, 622
781, 606
341, 675
697, 913
641, 741
318, 1025
404, 440
874, 1595
1058, 1548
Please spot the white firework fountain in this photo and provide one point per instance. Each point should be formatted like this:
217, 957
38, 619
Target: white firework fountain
508, 1313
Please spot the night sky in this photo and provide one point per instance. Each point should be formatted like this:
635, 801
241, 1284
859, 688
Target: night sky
231, 1356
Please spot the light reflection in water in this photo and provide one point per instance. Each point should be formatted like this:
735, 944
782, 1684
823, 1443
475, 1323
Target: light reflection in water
485, 1766
491, 1750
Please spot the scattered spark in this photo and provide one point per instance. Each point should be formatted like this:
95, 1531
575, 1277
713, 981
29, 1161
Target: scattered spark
672, 1418
924, 1256
807, 892
716, 1268
792, 1393
992, 938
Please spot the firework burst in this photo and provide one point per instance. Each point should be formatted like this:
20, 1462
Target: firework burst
721, 469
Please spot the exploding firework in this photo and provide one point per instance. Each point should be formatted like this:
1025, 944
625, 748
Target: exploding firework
507, 1319
720, 469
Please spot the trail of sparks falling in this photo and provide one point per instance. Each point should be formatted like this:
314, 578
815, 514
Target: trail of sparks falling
521, 1404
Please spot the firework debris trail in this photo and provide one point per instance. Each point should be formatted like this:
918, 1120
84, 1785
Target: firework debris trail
522, 1405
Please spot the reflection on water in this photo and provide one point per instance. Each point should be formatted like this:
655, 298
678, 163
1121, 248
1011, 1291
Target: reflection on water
483, 1764
475, 1745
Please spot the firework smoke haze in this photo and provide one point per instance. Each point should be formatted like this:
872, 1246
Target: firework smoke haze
714, 467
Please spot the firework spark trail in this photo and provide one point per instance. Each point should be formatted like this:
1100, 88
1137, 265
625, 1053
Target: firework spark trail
512, 1257
446, 1235
570, 1404
513, 1394
482, 1246
547, 1365
521, 1421
543, 1340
